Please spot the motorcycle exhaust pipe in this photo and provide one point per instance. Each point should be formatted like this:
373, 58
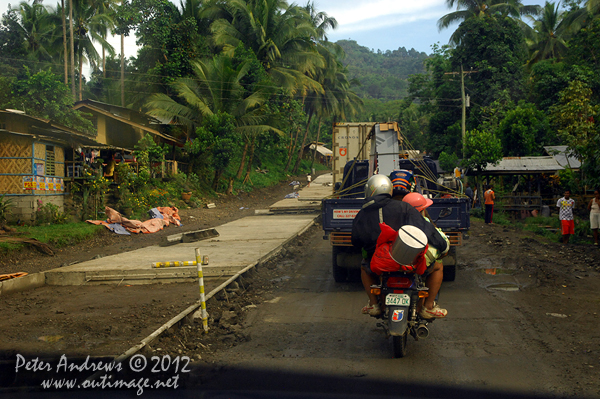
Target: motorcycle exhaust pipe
422, 331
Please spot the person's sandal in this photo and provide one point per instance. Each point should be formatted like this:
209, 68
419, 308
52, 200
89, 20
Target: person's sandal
434, 313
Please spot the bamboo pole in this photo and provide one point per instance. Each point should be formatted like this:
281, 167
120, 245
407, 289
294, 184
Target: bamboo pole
201, 284
176, 263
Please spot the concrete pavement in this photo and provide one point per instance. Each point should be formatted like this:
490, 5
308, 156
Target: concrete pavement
309, 197
240, 244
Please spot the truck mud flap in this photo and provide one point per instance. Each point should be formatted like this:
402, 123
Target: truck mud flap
397, 319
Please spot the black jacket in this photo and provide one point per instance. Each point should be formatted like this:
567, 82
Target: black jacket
365, 227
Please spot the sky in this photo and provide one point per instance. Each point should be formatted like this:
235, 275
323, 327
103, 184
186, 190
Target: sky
376, 24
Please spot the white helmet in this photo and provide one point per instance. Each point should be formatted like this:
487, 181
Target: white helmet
378, 184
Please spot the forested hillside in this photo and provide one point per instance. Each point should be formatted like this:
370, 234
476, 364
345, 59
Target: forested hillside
382, 75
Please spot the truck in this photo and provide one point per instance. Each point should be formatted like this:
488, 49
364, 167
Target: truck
377, 149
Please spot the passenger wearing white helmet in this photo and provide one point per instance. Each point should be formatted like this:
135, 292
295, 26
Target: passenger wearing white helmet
380, 208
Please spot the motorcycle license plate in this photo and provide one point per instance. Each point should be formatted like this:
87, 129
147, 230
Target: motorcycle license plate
397, 299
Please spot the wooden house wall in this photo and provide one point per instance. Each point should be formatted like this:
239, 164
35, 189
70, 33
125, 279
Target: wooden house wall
15, 161
120, 134
101, 128
18, 158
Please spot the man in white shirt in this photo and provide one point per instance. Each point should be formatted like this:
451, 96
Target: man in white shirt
567, 224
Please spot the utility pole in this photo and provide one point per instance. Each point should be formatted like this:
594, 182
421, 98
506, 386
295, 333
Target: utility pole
464, 108
122, 70
465, 101
72, 41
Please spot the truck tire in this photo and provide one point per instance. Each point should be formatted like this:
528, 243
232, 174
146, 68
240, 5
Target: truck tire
450, 265
340, 274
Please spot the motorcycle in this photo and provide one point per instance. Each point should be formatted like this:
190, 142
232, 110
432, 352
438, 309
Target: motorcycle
399, 294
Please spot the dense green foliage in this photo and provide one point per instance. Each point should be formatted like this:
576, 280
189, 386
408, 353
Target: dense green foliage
249, 84
45, 96
382, 75
526, 86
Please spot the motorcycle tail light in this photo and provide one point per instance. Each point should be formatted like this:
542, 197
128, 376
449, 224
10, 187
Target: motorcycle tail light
376, 291
399, 282
423, 294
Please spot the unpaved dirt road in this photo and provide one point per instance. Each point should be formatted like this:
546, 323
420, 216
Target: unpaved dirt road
523, 320
538, 338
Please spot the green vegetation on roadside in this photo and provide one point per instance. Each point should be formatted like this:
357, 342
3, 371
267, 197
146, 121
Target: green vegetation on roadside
548, 227
56, 235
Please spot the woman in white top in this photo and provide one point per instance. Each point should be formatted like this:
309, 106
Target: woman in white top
594, 208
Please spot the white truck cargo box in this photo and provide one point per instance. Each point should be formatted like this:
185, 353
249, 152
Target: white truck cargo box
347, 141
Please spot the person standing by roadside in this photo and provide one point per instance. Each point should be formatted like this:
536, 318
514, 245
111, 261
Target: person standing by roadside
469, 193
594, 208
567, 224
490, 196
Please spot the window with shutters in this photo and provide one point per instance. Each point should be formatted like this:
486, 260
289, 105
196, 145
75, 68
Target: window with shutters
50, 165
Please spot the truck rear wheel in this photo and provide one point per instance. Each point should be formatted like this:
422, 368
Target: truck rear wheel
340, 274
450, 265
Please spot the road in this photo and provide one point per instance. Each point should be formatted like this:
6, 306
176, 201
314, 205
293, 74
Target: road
311, 337
287, 328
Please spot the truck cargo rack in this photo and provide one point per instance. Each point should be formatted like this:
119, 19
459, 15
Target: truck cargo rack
340, 239
455, 238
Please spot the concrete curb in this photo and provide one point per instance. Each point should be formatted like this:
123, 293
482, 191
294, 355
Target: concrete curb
28, 282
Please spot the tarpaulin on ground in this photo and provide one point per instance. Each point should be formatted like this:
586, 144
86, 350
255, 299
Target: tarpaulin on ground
169, 215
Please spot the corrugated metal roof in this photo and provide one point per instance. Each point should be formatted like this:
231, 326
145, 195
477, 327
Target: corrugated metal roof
559, 152
517, 165
47, 128
322, 150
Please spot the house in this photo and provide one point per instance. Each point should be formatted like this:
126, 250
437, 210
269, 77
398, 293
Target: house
123, 127
559, 152
529, 192
523, 166
323, 154
32, 160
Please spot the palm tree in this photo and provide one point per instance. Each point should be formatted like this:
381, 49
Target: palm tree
37, 25
548, 37
338, 101
106, 7
483, 8
216, 87
64, 36
72, 48
89, 27
320, 20
280, 35
335, 100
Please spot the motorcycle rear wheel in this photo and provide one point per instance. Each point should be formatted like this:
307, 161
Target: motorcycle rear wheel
399, 345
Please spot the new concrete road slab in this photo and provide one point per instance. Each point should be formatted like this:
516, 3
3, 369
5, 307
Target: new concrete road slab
240, 243
309, 197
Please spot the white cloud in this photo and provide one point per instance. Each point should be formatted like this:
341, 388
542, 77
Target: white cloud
387, 22
384, 9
